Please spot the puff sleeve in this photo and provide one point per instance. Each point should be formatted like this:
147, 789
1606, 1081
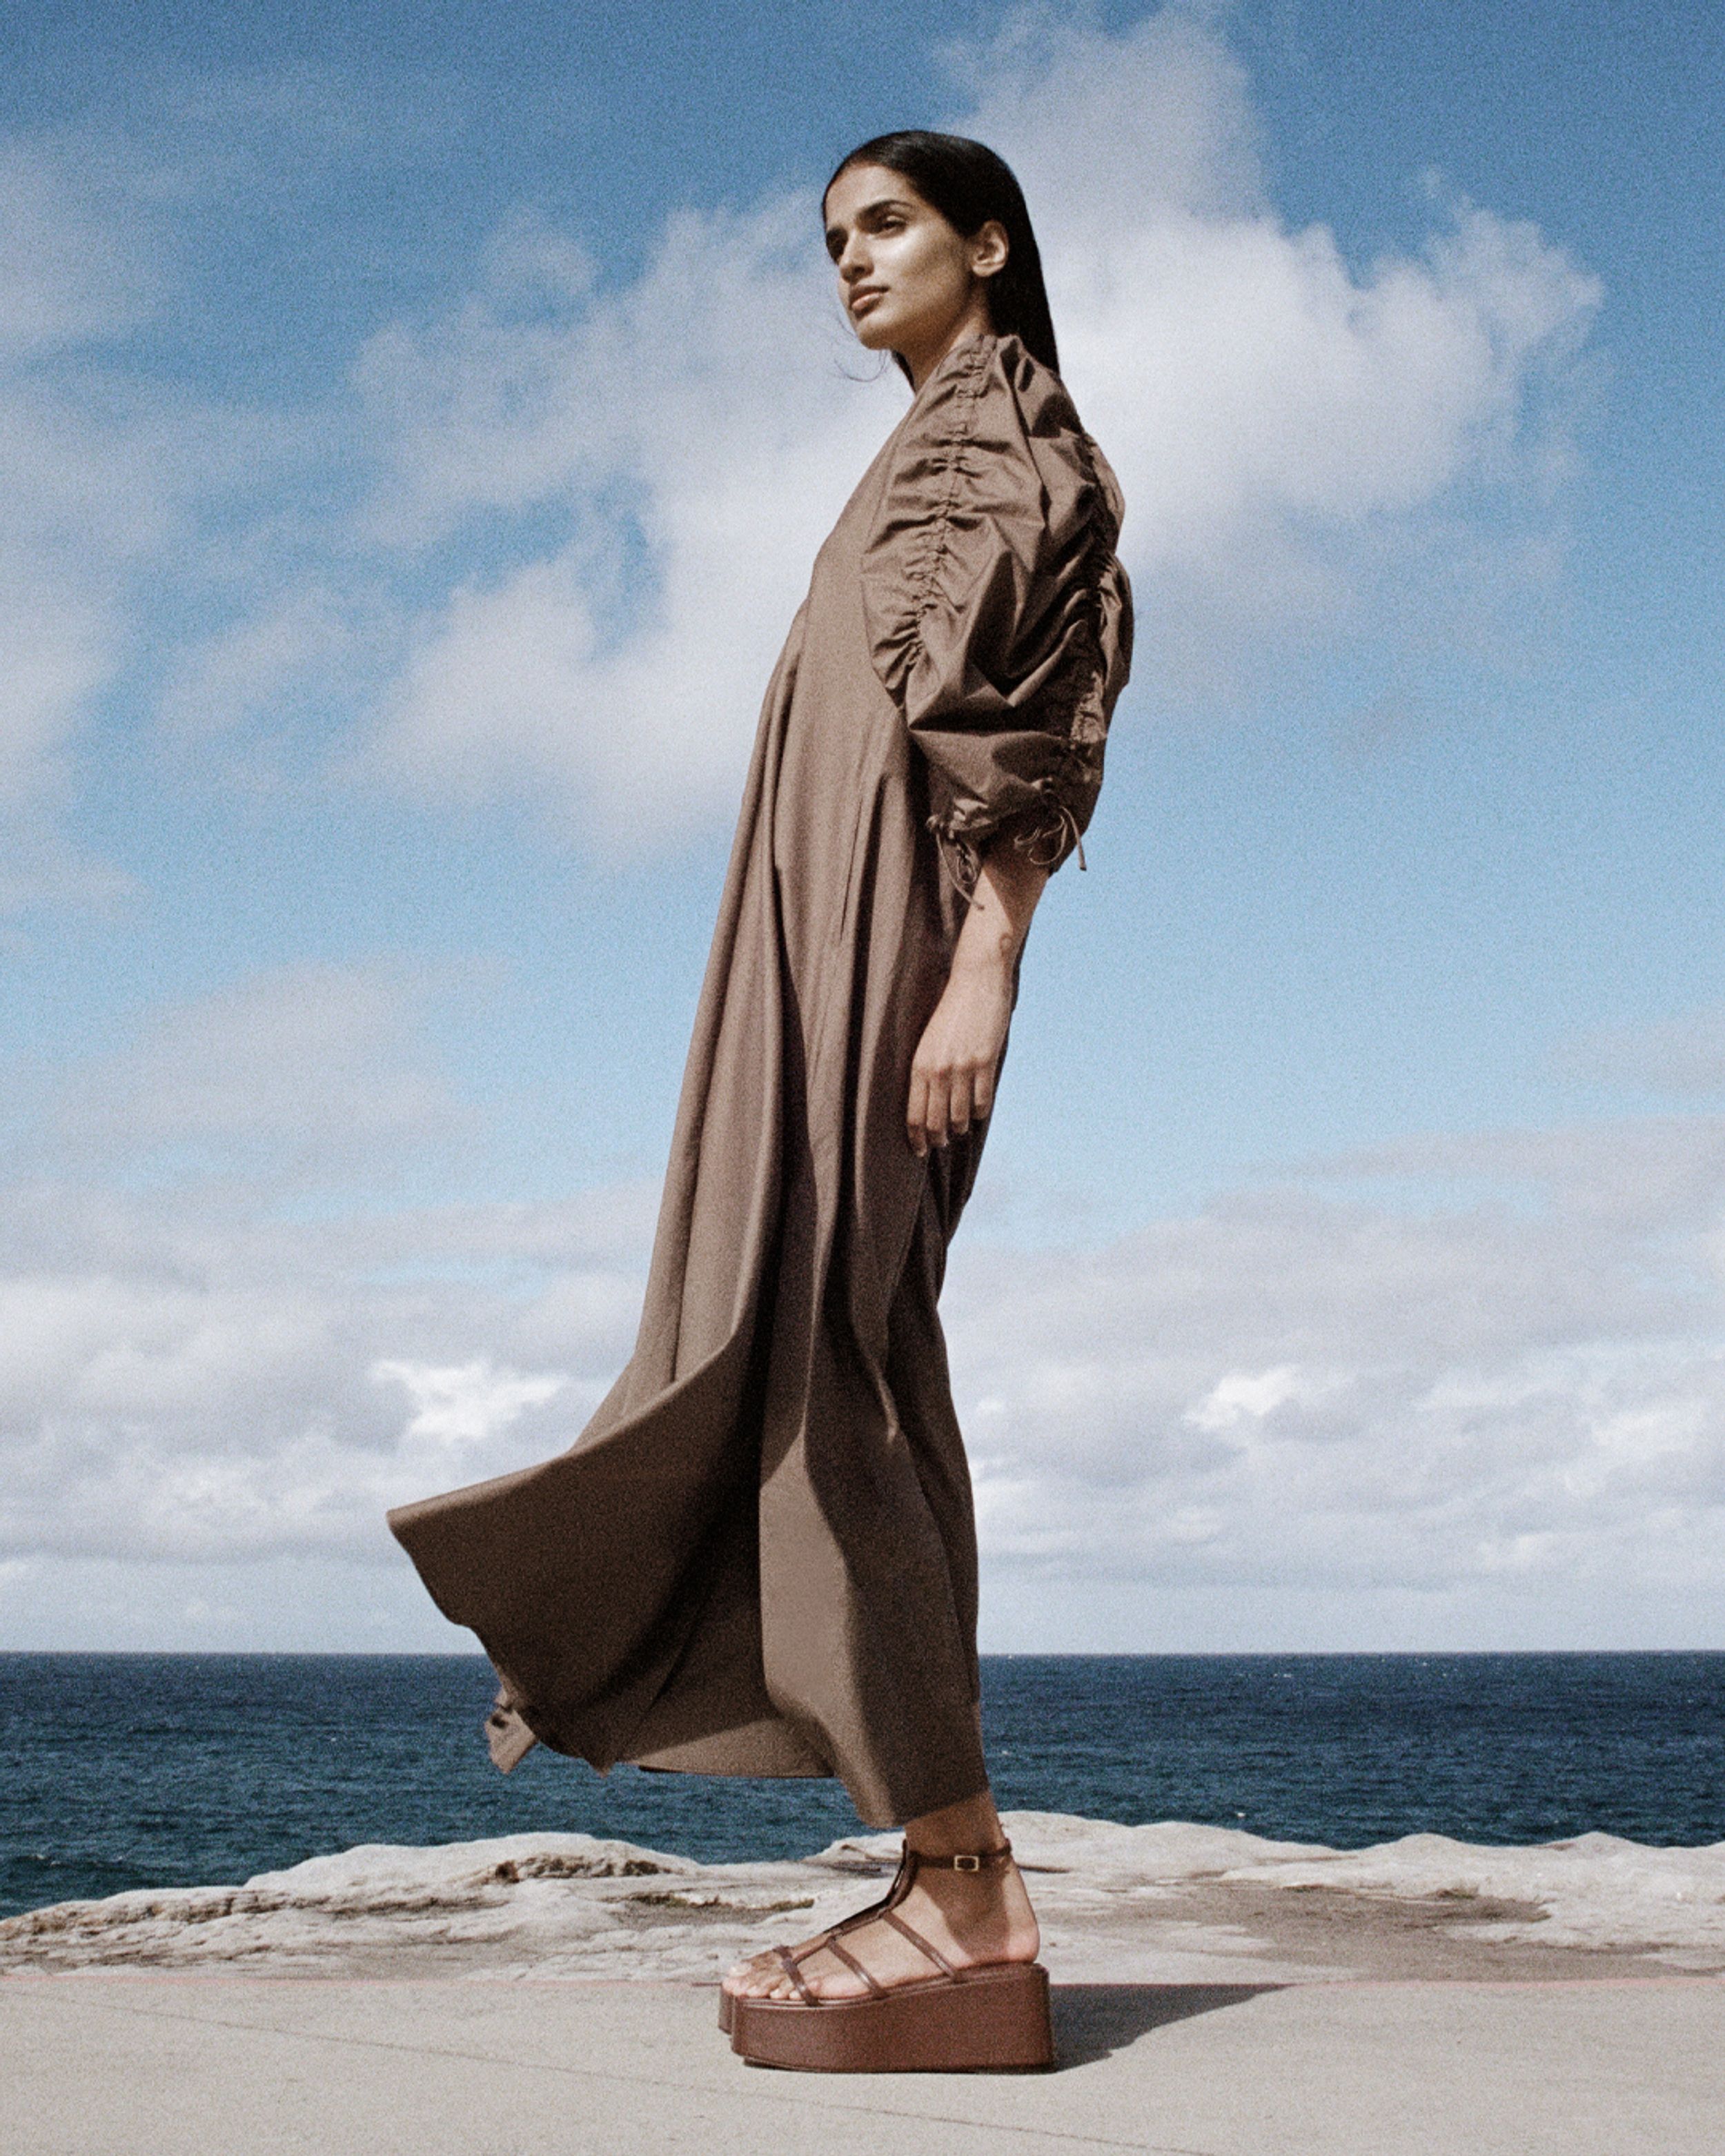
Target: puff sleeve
998, 616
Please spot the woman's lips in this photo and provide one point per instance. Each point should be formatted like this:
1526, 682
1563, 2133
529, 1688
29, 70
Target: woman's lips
865, 292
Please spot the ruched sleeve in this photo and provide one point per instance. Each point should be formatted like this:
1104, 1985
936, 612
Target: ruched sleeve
998, 616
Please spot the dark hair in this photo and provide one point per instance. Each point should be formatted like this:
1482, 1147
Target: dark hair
969, 185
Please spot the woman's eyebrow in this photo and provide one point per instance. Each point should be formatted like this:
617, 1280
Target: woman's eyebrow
880, 204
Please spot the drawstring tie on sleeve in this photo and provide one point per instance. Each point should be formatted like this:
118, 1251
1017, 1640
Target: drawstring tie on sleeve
1045, 843
1064, 829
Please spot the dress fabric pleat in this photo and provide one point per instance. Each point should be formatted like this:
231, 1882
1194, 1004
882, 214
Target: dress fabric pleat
759, 1557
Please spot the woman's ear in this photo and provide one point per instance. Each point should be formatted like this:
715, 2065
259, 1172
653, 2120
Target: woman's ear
988, 247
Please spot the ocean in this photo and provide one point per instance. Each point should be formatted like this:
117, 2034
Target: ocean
126, 1771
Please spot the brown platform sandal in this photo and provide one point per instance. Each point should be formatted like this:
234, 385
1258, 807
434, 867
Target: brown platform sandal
990, 2019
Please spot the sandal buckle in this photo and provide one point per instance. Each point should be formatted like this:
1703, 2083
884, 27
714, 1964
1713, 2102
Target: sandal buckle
967, 1864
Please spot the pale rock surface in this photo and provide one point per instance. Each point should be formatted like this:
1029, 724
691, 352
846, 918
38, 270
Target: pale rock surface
1595, 1891
1169, 1903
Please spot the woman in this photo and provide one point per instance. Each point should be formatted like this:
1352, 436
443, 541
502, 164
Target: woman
760, 1556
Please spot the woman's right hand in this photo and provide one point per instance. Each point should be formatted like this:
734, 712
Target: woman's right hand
952, 1071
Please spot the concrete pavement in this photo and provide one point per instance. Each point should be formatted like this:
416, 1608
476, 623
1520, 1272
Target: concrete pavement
100, 2064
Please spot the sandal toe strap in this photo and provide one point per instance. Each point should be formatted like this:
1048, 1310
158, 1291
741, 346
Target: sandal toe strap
787, 1963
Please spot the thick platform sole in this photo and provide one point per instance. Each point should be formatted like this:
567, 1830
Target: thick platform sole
990, 2021
726, 2003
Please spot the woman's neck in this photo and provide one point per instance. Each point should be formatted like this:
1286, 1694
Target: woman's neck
974, 323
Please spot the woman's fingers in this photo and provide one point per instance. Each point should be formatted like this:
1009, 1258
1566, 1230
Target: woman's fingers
958, 1097
926, 1114
944, 1104
916, 1111
936, 1118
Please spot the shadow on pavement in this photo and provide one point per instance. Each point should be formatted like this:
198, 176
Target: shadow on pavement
1091, 2021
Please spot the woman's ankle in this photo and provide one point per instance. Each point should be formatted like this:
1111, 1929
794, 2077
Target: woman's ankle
972, 1828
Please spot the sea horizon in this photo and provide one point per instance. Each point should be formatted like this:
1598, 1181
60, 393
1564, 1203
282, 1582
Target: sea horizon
135, 1768
992, 1655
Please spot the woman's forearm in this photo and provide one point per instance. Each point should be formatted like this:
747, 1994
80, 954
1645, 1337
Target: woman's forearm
952, 1075
1007, 890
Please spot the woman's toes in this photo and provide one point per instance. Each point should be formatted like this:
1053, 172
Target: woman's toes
745, 1976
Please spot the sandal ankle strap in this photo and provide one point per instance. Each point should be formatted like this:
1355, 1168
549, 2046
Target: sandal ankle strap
986, 1859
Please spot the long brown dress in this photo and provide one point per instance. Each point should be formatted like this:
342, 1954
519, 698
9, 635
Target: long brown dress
759, 1557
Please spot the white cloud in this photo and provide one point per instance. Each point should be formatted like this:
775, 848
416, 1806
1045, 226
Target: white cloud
467, 1402
248, 1401
1235, 1398
1287, 428
1509, 1405
1509, 1398
1307, 445
698, 423
1238, 370
1315, 1395
210, 1353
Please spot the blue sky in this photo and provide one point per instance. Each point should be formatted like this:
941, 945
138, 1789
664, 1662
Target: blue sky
421, 421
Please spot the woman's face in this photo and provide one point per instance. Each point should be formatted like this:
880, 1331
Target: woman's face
910, 283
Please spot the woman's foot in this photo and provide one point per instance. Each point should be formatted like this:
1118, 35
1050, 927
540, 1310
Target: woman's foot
971, 1918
